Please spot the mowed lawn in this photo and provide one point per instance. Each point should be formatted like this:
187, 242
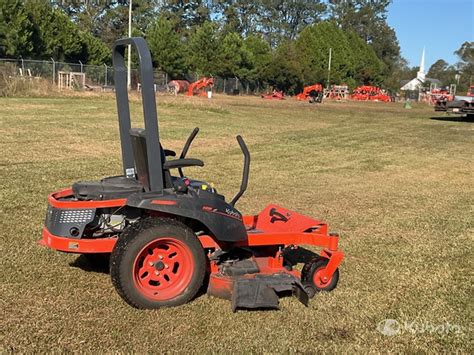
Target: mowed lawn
395, 183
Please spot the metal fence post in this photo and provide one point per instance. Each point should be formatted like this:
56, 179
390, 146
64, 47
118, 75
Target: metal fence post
81, 65
105, 65
54, 70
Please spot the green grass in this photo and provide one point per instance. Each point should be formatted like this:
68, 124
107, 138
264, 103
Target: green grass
396, 184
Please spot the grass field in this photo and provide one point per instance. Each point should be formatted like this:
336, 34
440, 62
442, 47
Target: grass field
397, 184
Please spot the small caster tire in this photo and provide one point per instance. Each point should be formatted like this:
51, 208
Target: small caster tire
311, 277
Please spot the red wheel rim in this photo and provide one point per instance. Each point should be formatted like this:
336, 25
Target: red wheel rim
317, 278
163, 269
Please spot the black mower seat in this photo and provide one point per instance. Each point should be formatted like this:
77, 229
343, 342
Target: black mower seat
106, 189
121, 187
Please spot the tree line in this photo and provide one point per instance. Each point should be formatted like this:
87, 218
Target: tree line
281, 43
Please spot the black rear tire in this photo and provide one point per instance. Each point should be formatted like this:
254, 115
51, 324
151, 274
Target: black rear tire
134, 252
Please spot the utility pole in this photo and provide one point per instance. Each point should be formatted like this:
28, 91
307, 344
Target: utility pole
329, 66
129, 62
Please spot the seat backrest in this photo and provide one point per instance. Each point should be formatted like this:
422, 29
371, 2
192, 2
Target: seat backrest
139, 146
154, 179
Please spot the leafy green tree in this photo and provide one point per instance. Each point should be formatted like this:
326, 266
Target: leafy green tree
108, 20
186, 15
367, 67
94, 52
259, 57
87, 15
442, 71
465, 66
203, 47
400, 72
53, 34
15, 29
284, 70
282, 19
233, 57
368, 18
169, 52
466, 54
313, 46
386, 47
437, 69
241, 16
275, 19
360, 16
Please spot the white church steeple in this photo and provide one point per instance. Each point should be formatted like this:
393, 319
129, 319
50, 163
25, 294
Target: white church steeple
421, 72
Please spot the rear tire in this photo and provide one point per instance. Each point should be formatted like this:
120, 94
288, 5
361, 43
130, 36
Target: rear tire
156, 263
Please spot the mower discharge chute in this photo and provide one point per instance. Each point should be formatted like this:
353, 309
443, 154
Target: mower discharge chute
165, 232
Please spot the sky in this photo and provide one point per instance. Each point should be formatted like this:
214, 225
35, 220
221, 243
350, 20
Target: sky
441, 26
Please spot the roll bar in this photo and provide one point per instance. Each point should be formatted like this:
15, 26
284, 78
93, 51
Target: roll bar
245, 174
149, 110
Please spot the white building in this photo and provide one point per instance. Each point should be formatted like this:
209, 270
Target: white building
418, 82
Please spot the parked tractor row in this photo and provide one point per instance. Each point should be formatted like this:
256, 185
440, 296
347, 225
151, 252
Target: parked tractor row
315, 94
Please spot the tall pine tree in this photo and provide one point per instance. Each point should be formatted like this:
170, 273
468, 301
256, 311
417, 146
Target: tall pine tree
203, 50
167, 49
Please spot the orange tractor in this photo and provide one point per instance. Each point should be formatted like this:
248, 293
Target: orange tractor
370, 93
313, 92
200, 87
470, 91
440, 95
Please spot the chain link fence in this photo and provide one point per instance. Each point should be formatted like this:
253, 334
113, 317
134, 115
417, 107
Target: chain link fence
101, 77
96, 75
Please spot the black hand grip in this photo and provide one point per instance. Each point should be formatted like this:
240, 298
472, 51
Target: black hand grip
181, 163
245, 174
186, 147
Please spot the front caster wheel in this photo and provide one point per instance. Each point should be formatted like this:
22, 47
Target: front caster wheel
157, 263
312, 280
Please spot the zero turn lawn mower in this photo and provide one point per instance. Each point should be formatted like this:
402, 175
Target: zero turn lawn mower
168, 235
